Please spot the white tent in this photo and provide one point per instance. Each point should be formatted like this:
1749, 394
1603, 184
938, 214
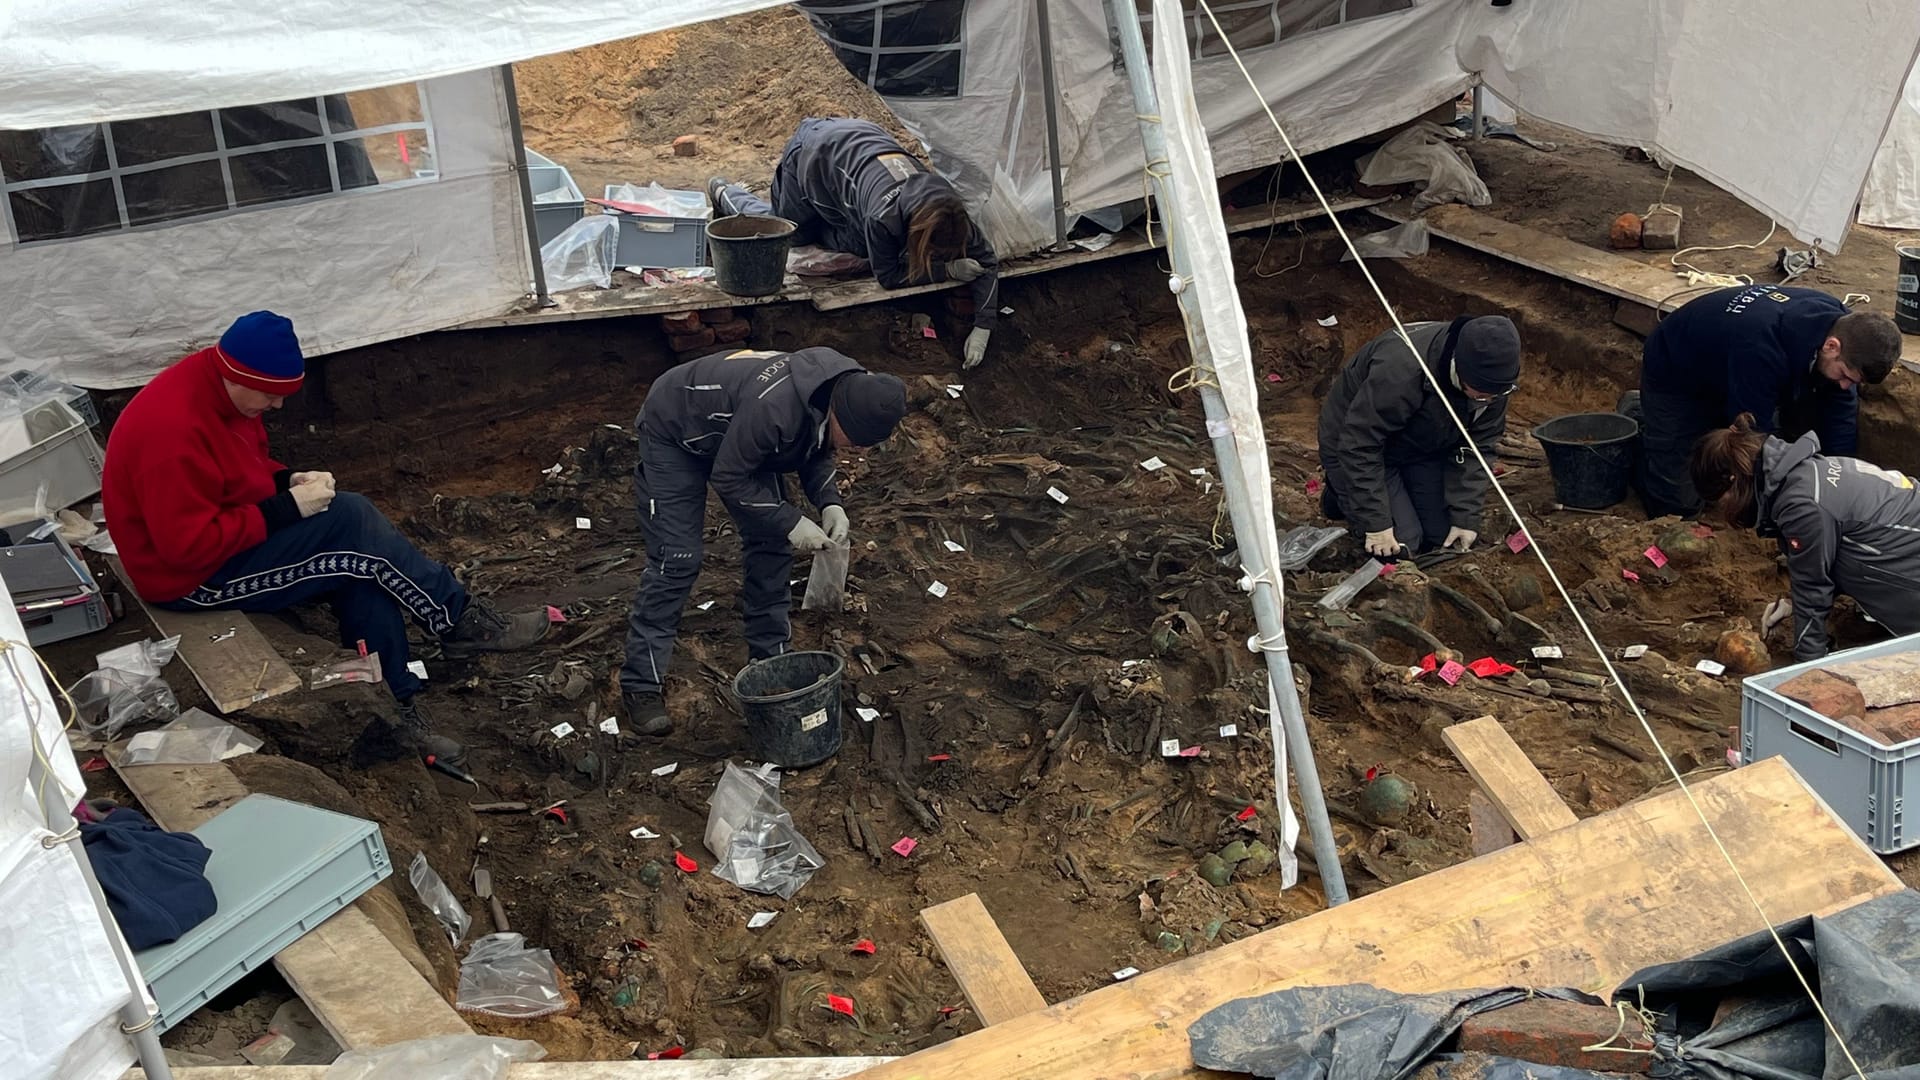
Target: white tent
1892, 195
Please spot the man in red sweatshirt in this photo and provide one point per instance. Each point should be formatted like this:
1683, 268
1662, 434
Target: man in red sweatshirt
204, 518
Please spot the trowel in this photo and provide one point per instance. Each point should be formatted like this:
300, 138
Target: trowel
483, 887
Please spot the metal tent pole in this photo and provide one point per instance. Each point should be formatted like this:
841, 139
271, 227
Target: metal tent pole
1051, 90
1479, 113
1266, 599
526, 184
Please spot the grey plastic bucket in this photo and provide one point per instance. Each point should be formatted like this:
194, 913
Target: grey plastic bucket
749, 253
792, 707
1590, 456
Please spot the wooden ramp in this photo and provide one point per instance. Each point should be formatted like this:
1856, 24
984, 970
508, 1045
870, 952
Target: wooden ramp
1584, 905
1511, 784
982, 962
228, 657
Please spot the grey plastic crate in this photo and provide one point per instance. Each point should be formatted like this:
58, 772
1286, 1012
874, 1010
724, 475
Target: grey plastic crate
278, 870
58, 618
662, 242
63, 455
31, 382
1863, 780
557, 201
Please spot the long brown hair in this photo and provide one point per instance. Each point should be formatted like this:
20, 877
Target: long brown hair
936, 233
1723, 464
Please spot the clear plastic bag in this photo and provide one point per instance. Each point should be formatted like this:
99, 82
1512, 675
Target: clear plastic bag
1423, 154
754, 837
502, 977
827, 581
1400, 242
439, 899
197, 738
662, 201
583, 255
816, 261
1303, 542
126, 689
1342, 594
448, 1057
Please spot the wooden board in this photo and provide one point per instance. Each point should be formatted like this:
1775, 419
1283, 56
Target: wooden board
236, 671
361, 988
1502, 770
1583, 906
820, 1068
1487, 827
981, 960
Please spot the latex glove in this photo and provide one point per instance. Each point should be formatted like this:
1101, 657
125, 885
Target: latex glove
1460, 539
834, 518
311, 498
1382, 543
976, 347
299, 478
806, 536
964, 270
1777, 612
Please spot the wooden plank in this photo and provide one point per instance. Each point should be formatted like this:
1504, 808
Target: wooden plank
981, 960
1487, 828
818, 1068
361, 988
1502, 770
1582, 906
238, 669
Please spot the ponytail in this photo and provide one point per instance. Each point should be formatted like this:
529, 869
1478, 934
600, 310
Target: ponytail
1723, 464
937, 232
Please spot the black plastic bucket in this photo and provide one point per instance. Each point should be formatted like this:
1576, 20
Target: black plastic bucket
1906, 293
1590, 456
792, 706
749, 253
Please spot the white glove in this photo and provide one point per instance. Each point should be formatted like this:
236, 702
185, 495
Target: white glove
806, 536
323, 478
1382, 543
1460, 539
311, 498
835, 520
1777, 612
976, 348
964, 270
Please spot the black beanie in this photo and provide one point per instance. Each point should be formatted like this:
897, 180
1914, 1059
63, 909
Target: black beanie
868, 406
1487, 356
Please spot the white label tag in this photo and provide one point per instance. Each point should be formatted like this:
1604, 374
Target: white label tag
1006, 311
418, 667
954, 389
1733, 758
1125, 973
1198, 472
611, 725
938, 589
583, 523
561, 730
1547, 652
1219, 429
1634, 652
813, 720
707, 606
1907, 283
668, 769
1169, 747
644, 833
864, 713
761, 918
953, 547
1057, 495
1228, 731
1153, 464
1711, 667
1331, 320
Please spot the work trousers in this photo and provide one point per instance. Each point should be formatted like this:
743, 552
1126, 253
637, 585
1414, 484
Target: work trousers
1670, 424
1416, 495
350, 555
788, 194
671, 486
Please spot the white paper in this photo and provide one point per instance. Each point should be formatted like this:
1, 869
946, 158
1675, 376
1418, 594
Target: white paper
954, 389
1097, 242
561, 730
418, 667
1057, 495
1331, 320
1711, 667
938, 589
706, 606
644, 833
611, 725
1006, 311
668, 769
864, 713
1169, 747
1634, 652
1198, 472
583, 523
761, 918
953, 547
1153, 464
1547, 652
146, 740
1125, 973
1228, 731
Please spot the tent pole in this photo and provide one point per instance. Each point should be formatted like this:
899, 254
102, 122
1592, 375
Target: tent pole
1051, 90
526, 184
1291, 724
1479, 113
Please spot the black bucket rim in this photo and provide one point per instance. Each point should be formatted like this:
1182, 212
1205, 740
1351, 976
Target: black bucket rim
838, 670
789, 227
1907, 251
1632, 432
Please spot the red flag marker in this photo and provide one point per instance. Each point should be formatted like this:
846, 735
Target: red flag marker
864, 947
904, 846
1248, 814
843, 1005
686, 865
939, 757
671, 1053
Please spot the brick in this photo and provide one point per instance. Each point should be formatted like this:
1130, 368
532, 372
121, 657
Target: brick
1825, 693
1548, 1032
732, 331
716, 315
686, 146
1883, 680
700, 339
681, 322
1624, 233
1892, 726
1660, 232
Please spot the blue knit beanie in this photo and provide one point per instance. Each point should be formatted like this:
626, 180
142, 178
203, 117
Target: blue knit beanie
260, 352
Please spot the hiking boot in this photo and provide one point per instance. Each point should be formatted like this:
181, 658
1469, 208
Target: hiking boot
717, 195
417, 733
482, 629
647, 713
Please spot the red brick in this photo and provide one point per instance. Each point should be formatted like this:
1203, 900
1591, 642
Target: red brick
681, 322
716, 315
1883, 680
1827, 694
700, 339
732, 331
686, 146
1892, 726
1625, 231
1548, 1032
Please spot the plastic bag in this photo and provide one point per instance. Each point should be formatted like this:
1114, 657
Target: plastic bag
197, 738
1400, 242
827, 581
1302, 542
661, 201
502, 977
448, 1057
126, 689
754, 837
1424, 155
815, 261
583, 255
439, 899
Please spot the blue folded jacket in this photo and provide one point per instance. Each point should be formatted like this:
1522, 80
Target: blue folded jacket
155, 881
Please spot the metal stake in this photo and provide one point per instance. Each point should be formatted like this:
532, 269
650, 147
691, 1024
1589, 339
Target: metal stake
1051, 91
526, 184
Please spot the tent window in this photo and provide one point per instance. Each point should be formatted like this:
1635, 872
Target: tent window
74, 181
1250, 24
901, 48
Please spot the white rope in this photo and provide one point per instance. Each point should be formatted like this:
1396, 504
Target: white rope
1539, 553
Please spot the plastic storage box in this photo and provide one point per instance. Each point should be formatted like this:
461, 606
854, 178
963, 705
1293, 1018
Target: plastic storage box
49, 444
663, 242
53, 591
33, 384
557, 200
278, 870
1863, 780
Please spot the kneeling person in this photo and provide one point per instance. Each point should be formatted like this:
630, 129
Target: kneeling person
205, 519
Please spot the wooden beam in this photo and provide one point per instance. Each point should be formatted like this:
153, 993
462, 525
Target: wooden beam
977, 953
1487, 827
1583, 906
815, 1068
1511, 782
228, 657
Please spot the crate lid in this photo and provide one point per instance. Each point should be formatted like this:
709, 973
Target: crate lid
40, 571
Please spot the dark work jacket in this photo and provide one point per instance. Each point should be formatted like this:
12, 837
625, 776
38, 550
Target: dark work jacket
1845, 526
155, 881
1751, 348
1382, 413
753, 414
864, 188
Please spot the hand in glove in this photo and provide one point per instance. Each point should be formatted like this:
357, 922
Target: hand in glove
1382, 544
1460, 539
325, 479
964, 270
1777, 612
806, 536
311, 498
835, 520
976, 347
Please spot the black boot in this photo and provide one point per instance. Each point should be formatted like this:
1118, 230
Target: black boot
717, 195
647, 713
417, 733
483, 629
